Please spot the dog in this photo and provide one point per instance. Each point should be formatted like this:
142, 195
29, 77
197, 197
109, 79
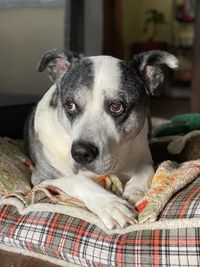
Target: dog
93, 121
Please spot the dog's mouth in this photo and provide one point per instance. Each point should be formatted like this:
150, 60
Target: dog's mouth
103, 169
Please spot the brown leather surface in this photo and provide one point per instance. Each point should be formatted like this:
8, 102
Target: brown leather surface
8, 259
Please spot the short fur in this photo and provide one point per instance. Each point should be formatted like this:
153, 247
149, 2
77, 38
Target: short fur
69, 147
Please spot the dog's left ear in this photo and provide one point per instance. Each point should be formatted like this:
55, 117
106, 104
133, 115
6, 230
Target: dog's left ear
57, 63
150, 66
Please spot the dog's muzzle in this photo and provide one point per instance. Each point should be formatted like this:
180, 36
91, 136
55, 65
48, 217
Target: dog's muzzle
84, 152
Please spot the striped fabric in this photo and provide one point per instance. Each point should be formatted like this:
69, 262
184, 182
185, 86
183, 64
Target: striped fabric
73, 240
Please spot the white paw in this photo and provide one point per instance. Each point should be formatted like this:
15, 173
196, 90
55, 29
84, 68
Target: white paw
132, 196
140, 183
114, 212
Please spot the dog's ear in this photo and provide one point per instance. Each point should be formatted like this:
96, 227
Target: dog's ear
150, 66
57, 63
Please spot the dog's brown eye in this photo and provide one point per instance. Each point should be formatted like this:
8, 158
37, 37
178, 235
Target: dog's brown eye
71, 107
116, 108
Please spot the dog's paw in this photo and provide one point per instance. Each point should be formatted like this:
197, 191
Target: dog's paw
115, 212
132, 196
139, 184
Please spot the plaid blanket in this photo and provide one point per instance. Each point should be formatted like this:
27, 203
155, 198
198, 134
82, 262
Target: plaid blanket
167, 242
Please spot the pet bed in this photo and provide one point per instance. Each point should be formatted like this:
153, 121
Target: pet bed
46, 224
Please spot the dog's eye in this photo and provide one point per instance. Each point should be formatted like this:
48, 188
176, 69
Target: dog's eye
116, 108
71, 107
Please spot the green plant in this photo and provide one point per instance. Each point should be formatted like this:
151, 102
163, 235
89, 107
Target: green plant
153, 19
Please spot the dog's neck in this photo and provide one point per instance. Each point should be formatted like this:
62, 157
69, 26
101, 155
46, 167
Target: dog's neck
129, 160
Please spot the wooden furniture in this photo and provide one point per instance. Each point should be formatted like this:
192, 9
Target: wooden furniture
195, 91
8, 259
113, 40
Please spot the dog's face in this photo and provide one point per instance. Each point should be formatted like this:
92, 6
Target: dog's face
102, 103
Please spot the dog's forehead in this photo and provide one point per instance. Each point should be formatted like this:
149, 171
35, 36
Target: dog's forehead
105, 64
107, 73
100, 77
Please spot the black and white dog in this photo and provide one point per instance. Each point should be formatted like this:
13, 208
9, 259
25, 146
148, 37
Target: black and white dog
93, 121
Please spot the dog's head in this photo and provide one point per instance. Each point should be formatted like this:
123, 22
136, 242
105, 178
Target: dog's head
102, 102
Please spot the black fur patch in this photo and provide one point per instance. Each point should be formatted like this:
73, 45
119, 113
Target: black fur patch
54, 100
132, 92
80, 76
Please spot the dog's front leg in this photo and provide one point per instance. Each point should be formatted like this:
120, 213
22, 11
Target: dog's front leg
112, 210
139, 183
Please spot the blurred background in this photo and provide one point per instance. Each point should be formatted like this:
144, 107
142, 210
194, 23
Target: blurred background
120, 28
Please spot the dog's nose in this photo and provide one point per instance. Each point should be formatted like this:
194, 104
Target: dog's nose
84, 152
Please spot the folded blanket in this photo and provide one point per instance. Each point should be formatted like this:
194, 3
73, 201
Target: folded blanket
168, 179
15, 187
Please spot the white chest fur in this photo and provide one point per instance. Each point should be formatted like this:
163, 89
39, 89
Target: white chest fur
54, 139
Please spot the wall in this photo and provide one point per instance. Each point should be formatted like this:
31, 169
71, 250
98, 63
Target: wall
134, 17
25, 35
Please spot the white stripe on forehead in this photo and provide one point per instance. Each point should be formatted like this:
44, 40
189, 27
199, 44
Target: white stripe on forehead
106, 74
95, 124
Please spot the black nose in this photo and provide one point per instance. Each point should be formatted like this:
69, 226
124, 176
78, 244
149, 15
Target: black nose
84, 152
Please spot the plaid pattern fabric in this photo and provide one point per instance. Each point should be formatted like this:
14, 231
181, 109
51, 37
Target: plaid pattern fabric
184, 204
73, 240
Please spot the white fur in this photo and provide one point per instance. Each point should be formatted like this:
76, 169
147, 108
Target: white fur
107, 75
56, 142
111, 209
93, 126
131, 163
171, 61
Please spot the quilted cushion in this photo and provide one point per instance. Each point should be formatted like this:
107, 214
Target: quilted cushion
169, 242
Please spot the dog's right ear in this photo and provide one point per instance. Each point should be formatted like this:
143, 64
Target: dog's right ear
150, 66
57, 63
